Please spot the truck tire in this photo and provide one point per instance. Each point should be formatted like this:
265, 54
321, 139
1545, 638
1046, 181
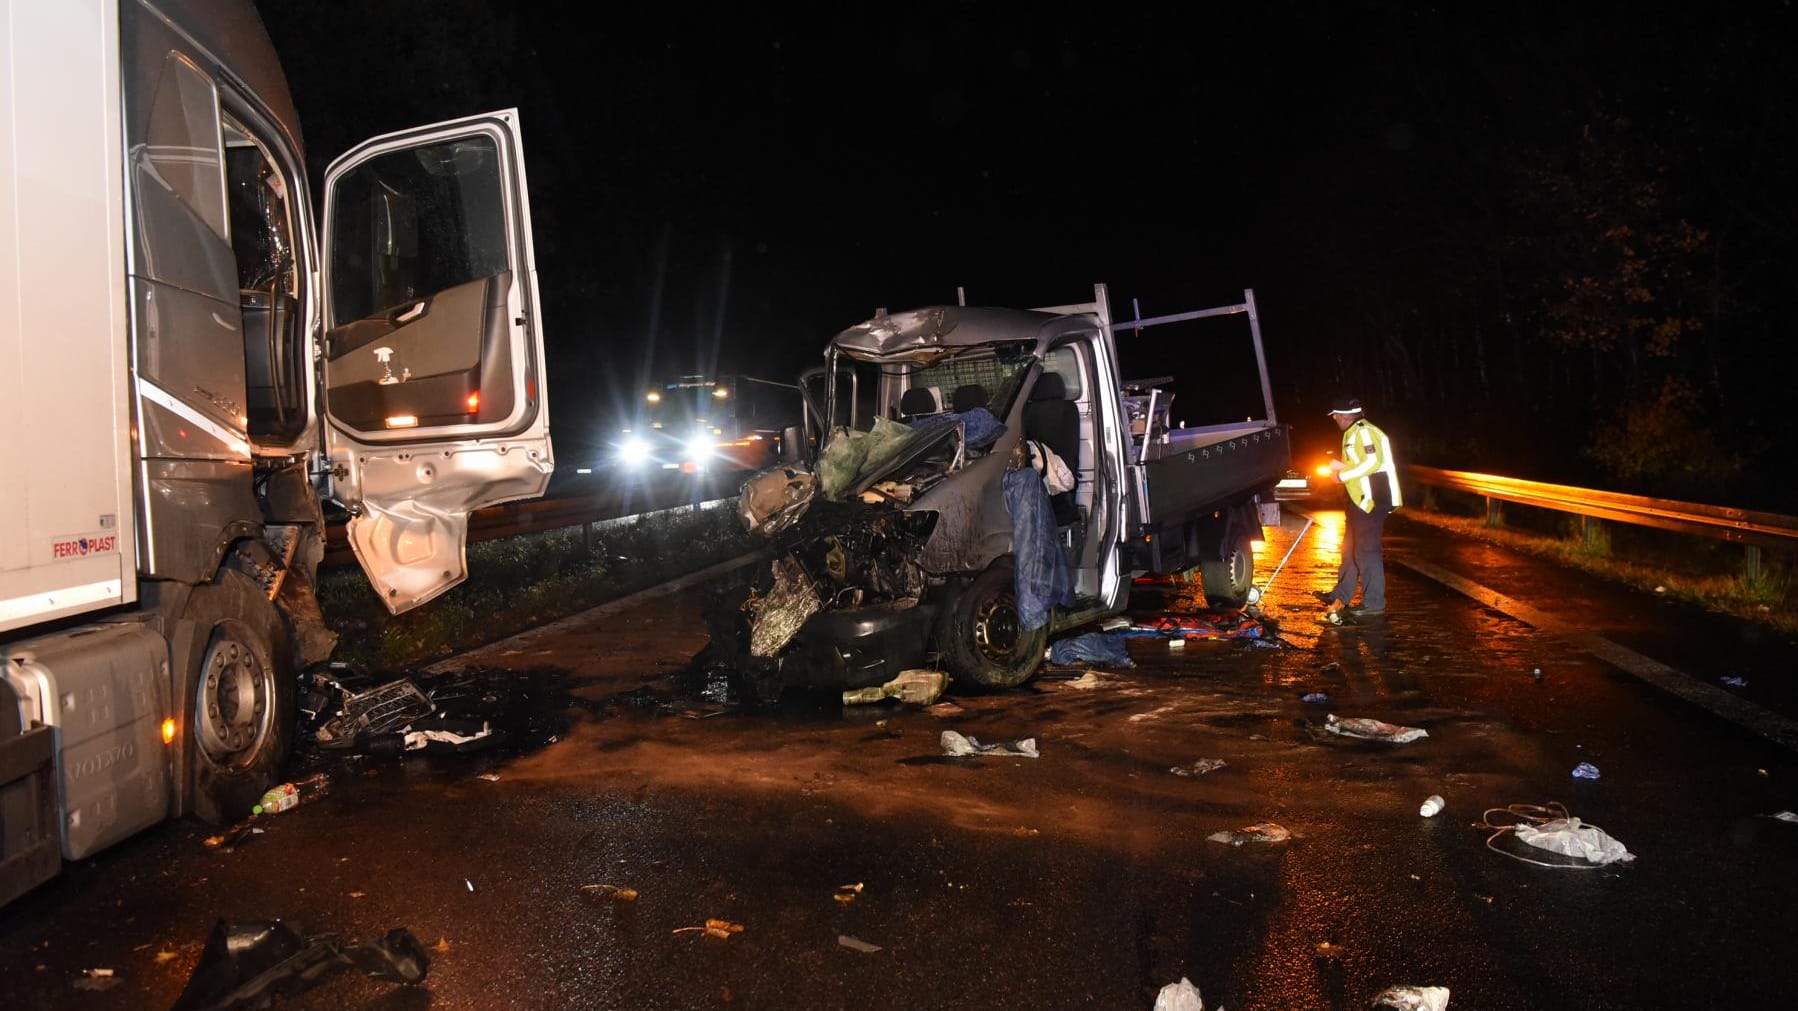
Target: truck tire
982, 644
242, 714
1227, 580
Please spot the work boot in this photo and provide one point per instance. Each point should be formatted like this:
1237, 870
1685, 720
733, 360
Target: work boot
1324, 597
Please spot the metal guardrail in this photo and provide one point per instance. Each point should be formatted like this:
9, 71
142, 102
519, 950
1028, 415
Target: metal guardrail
542, 516
1744, 526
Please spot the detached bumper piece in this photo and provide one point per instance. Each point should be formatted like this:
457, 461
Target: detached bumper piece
243, 965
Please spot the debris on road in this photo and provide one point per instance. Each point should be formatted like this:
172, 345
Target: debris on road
857, 944
288, 796
1102, 648
1264, 833
1181, 996
1536, 672
1328, 949
166, 956
1199, 768
1432, 805
1734, 682
1315, 698
243, 965
1585, 770
233, 837
612, 892
1215, 624
1413, 998
491, 777
1549, 827
1372, 730
720, 929
1785, 816
958, 746
97, 979
915, 687
945, 709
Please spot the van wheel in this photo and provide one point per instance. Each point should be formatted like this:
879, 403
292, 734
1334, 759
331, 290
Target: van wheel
242, 714
982, 643
1227, 580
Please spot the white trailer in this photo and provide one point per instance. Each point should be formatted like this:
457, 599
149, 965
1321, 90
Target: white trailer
191, 361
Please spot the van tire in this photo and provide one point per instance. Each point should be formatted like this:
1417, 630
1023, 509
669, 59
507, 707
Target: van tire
981, 643
242, 715
1227, 580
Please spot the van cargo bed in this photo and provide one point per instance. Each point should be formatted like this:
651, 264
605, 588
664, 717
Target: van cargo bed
1199, 469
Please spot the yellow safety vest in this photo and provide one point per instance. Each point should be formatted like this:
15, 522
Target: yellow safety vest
1366, 452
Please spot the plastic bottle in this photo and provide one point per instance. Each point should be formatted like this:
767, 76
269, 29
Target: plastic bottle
1432, 805
288, 795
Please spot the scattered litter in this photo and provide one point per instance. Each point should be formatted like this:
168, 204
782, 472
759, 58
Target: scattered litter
1326, 949
1414, 998
442, 946
1785, 816
1585, 770
233, 837
1660, 589
720, 929
945, 709
857, 944
957, 745
1330, 668
1199, 768
243, 965
1432, 806
1536, 672
847, 893
613, 892
1103, 648
917, 687
1734, 682
1264, 833
1315, 698
288, 796
1551, 828
1176, 644
1372, 730
1114, 623
97, 979
1089, 681
357, 895
1217, 624
491, 777
166, 956
469, 883
1181, 996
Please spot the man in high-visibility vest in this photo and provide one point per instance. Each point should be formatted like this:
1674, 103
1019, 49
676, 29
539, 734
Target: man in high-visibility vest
1369, 475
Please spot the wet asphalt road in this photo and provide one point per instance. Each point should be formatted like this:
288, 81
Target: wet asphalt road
1080, 879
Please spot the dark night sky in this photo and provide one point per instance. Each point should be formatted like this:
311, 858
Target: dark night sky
744, 186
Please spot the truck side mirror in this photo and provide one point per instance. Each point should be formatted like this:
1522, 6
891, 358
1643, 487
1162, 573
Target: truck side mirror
792, 445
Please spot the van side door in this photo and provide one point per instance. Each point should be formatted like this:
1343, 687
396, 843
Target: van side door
435, 401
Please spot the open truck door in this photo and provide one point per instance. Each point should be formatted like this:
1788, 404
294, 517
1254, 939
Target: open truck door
433, 349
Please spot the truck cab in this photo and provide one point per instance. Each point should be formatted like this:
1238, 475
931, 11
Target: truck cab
200, 355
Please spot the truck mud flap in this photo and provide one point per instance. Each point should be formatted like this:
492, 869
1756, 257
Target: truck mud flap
30, 853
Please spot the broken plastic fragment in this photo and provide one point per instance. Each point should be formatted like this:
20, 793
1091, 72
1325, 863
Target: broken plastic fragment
1181, 996
1262, 833
857, 944
917, 687
1315, 698
1734, 682
1413, 998
1372, 730
243, 965
1785, 816
1199, 768
958, 746
1585, 770
613, 892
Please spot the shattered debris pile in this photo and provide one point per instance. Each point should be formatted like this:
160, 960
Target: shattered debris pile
345, 708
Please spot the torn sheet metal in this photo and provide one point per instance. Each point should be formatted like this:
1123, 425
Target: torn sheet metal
776, 618
384, 709
774, 500
244, 965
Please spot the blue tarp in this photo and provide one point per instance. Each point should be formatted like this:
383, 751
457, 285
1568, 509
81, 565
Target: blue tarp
1041, 578
983, 428
1094, 647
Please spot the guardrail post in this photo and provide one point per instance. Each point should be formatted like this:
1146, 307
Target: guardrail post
1494, 512
1754, 563
1588, 532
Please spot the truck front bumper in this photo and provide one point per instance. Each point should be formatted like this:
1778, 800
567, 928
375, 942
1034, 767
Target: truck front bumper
853, 648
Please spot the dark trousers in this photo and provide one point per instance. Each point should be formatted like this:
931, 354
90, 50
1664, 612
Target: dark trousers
1362, 561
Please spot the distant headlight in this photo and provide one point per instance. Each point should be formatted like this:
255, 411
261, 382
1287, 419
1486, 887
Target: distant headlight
633, 452
699, 447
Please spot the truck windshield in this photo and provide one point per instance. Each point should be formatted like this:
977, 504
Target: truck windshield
696, 404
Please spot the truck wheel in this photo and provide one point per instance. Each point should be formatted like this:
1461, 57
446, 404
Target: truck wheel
1227, 580
982, 643
242, 714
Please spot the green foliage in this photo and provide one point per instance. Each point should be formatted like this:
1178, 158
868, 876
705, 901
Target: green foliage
1662, 436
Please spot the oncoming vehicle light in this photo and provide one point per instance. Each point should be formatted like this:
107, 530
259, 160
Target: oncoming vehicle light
633, 451
653, 397
699, 447
720, 392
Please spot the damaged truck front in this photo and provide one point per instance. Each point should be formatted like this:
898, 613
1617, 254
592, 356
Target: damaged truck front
921, 532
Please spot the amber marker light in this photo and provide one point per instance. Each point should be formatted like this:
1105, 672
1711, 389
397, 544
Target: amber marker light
474, 401
168, 731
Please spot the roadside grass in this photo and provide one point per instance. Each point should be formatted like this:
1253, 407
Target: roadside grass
515, 583
1772, 599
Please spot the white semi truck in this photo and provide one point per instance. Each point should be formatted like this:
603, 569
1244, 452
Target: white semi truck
192, 358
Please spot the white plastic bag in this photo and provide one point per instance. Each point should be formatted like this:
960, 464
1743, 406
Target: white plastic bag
1414, 998
1372, 730
1056, 475
1571, 839
1181, 996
